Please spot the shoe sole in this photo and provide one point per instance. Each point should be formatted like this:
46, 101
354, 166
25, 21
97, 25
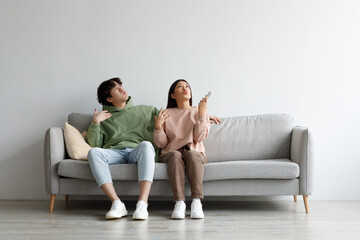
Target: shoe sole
140, 217
122, 214
196, 217
177, 217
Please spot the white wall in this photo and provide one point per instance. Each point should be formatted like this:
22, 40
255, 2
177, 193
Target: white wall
256, 56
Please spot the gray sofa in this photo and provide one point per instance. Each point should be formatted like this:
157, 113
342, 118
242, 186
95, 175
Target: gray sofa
247, 156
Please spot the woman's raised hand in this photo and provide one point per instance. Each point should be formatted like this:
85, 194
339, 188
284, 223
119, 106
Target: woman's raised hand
100, 116
202, 106
160, 119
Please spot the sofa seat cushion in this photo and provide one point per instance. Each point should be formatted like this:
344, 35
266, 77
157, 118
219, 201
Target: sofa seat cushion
251, 169
81, 170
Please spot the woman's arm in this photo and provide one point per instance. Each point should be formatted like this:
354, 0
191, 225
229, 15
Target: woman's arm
160, 138
202, 126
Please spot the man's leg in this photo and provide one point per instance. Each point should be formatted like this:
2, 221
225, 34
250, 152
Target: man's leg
109, 190
99, 161
144, 156
145, 187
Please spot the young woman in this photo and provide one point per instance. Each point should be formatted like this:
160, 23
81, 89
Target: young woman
180, 131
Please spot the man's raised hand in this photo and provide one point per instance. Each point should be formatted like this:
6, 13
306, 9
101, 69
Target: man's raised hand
100, 116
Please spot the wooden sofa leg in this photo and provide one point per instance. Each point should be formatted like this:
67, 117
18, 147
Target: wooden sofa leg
52, 202
66, 198
295, 198
306, 203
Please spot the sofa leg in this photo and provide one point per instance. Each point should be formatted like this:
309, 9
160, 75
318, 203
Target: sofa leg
295, 198
66, 197
306, 203
52, 202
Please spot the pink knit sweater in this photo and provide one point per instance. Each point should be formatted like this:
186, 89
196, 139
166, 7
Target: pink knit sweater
183, 127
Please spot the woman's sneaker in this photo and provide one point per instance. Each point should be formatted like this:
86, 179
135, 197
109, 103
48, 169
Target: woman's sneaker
179, 210
196, 210
141, 212
117, 210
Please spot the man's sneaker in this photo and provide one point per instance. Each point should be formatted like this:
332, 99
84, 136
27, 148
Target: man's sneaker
117, 210
179, 210
196, 210
141, 212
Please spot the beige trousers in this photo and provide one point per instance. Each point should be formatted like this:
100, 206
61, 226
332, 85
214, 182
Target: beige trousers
181, 162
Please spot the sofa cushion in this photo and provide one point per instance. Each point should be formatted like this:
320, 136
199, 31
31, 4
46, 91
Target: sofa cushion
256, 137
252, 169
75, 143
250, 138
80, 121
81, 170
249, 169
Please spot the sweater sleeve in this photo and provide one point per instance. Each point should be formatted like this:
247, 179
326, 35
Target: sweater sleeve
94, 136
160, 138
202, 128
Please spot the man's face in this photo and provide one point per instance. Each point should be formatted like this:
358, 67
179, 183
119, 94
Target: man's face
118, 95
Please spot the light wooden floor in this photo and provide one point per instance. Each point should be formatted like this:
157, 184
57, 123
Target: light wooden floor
79, 219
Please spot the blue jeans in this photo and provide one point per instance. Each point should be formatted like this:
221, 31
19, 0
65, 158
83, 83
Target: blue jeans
143, 155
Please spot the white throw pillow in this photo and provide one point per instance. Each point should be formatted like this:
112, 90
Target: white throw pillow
75, 143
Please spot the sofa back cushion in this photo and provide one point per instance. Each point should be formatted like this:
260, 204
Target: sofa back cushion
250, 138
80, 121
236, 138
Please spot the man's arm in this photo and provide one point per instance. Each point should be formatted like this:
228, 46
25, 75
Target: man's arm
215, 119
94, 136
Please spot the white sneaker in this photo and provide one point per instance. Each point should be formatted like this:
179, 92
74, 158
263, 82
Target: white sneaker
141, 212
196, 210
117, 210
179, 210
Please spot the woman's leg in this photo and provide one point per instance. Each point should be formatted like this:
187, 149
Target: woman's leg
194, 162
195, 171
176, 171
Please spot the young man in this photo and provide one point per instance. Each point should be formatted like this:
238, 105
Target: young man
122, 133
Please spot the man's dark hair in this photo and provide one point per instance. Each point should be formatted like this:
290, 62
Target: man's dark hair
103, 91
172, 102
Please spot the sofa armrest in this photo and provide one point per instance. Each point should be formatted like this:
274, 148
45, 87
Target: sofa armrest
301, 153
54, 152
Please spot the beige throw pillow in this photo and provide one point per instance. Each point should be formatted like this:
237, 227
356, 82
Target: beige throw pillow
75, 143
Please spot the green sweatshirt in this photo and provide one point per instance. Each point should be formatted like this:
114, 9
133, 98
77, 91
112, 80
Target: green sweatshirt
126, 128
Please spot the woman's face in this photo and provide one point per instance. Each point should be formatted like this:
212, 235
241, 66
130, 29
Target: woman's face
182, 92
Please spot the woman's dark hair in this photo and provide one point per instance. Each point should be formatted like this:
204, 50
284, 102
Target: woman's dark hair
172, 102
103, 91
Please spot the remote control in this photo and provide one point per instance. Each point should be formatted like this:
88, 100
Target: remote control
208, 94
